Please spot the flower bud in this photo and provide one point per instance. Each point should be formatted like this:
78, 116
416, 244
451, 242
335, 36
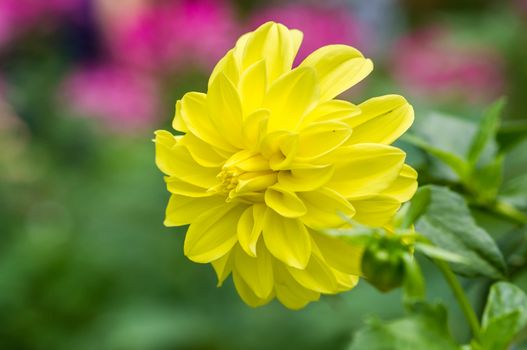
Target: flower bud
382, 264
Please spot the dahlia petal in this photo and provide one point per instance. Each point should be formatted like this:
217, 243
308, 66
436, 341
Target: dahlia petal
324, 207
383, 120
223, 267
332, 110
284, 202
252, 87
296, 38
225, 109
196, 117
254, 127
321, 277
164, 141
404, 187
280, 148
175, 160
255, 182
250, 227
256, 272
365, 169
251, 47
305, 179
273, 43
299, 85
345, 281
203, 153
316, 276
213, 233
321, 138
338, 68
286, 239
183, 210
227, 65
176, 186
375, 210
178, 123
291, 293
339, 254
246, 292
239, 48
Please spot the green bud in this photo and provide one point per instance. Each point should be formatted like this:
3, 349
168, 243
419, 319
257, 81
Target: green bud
383, 265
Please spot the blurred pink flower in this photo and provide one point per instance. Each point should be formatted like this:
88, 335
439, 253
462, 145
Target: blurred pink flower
432, 64
19, 15
321, 25
169, 35
122, 99
521, 5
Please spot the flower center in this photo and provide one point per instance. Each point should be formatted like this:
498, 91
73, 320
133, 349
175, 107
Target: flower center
245, 177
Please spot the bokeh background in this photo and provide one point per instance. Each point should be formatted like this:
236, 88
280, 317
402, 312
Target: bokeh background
85, 262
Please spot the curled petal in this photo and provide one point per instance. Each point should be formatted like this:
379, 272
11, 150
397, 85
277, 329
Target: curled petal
273, 43
178, 123
203, 153
324, 208
321, 277
250, 227
365, 169
253, 87
223, 267
225, 108
316, 276
175, 160
182, 210
254, 128
195, 115
229, 66
338, 68
321, 138
300, 86
375, 210
291, 293
404, 186
286, 239
246, 293
332, 110
383, 120
280, 147
284, 202
256, 272
341, 255
305, 179
213, 233
176, 186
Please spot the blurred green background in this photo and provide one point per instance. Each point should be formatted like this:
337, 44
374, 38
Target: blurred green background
85, 262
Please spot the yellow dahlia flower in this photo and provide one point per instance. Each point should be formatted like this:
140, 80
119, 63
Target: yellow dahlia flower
269, 157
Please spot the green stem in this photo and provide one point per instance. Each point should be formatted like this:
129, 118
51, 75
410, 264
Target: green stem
462, 299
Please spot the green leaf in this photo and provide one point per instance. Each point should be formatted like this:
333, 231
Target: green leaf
504, 317
417, 207
456, 163
447, 132
515, 192
486, 132
448, 224
424, 328
510, 134
487, 180
434, 252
